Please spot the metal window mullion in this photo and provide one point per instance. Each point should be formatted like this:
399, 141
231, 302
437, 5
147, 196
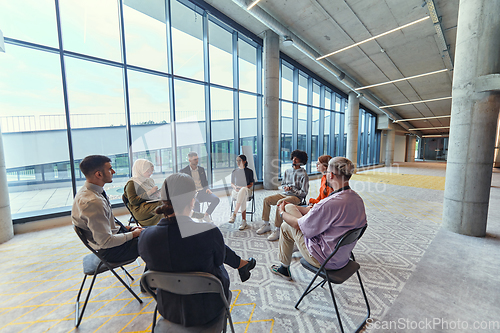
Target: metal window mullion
333, 145
309, 121
208, 113
373, 142
260, 151
295, 109
321, 123
171, 85
359, 142
65, 97
128, 128
342, 151
236, 97
280, 143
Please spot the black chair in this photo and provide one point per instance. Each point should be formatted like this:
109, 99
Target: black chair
251, 198
94, 264
132, 217
187, 284
338, 276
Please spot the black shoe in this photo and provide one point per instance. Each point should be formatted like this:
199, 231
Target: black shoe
245, 270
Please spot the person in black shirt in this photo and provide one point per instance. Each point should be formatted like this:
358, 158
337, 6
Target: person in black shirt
241, 182
179, 244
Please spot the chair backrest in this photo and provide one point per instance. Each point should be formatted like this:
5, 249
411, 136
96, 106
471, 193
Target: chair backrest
348, 238
183, 283
85, 241
126, 202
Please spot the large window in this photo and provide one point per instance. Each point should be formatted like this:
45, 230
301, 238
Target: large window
133, 80
368, 139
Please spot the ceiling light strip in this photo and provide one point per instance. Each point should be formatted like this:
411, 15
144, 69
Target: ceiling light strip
428, 128
403, 79
436, 136
374, 37
412, 119
252, 4
417, 102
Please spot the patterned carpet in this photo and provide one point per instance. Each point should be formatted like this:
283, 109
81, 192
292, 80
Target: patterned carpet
40, 273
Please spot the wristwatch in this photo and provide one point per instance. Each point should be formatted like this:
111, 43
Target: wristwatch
281, 215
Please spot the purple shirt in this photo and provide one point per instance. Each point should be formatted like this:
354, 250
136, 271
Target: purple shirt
327, 221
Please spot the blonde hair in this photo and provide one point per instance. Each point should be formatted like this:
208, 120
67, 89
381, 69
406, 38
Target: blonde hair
343, 165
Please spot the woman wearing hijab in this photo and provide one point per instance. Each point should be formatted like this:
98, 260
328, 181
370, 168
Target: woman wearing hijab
241, 182
140, 189
179, 244
325, 189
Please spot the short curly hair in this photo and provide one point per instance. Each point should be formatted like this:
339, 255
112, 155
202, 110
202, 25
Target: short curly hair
301, 155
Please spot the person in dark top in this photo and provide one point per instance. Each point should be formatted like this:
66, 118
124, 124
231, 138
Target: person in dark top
241, 182
179, 244
203, 193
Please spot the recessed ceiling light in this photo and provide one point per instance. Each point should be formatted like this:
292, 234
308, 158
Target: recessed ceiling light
402, 79
417, 102
252, 4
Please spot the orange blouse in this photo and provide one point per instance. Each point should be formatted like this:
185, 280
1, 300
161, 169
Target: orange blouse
321, 189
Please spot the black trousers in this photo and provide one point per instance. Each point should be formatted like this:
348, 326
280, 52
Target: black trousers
232, 259
125, 252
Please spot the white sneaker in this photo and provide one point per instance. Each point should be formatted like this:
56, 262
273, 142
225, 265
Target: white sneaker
265, 228
207, 218
275, 235
232, 218
243, 225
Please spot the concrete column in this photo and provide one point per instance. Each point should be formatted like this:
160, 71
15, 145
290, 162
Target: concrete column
271, 116
383, 143
6, 228
352, 123
389, 147
474, 113
410, 151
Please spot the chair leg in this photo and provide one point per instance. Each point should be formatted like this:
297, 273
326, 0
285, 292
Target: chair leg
307, 291
126, 286
154, 319
230, 321
78, 314
126, 272
366, 301
335, 304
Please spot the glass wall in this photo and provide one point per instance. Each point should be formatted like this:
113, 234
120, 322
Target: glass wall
368, 139
312, 117
130, 80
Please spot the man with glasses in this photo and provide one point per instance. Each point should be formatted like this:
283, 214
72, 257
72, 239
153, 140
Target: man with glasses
316, 230
203, 193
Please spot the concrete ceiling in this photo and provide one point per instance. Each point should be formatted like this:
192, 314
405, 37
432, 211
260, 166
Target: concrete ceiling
329, 25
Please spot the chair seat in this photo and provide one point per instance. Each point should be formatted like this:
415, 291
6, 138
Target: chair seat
216, 325
91, 261
337, 276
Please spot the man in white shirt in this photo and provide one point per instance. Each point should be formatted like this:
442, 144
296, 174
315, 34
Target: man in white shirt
203, 193
93, 214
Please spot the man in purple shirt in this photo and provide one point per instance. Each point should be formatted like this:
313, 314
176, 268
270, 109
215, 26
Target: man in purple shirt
317, 230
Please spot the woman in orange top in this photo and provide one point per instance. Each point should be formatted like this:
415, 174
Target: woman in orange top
325, 189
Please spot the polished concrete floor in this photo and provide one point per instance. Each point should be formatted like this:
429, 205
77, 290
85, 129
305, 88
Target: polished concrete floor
414, 271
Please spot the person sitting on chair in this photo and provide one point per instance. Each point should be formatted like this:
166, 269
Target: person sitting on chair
203, 192
92, 213
316, 230
325, 189
295, 186
241, 182
139, 190
179, 244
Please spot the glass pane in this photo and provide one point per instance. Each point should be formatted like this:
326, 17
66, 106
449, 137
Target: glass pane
248, 123
328, 100
150, 122
34, 134
97, 114
316, 99
286, 135
302, 89
326, 134
314, 139
337, 103
223, 158
221, 55
302, 132
29, 20
146, 34
190, 126
286, 83
187, 40
91, 27
247, 56
189, 101
338, 148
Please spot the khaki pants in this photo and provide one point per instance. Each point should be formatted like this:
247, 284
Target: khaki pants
289, 236
276, 200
